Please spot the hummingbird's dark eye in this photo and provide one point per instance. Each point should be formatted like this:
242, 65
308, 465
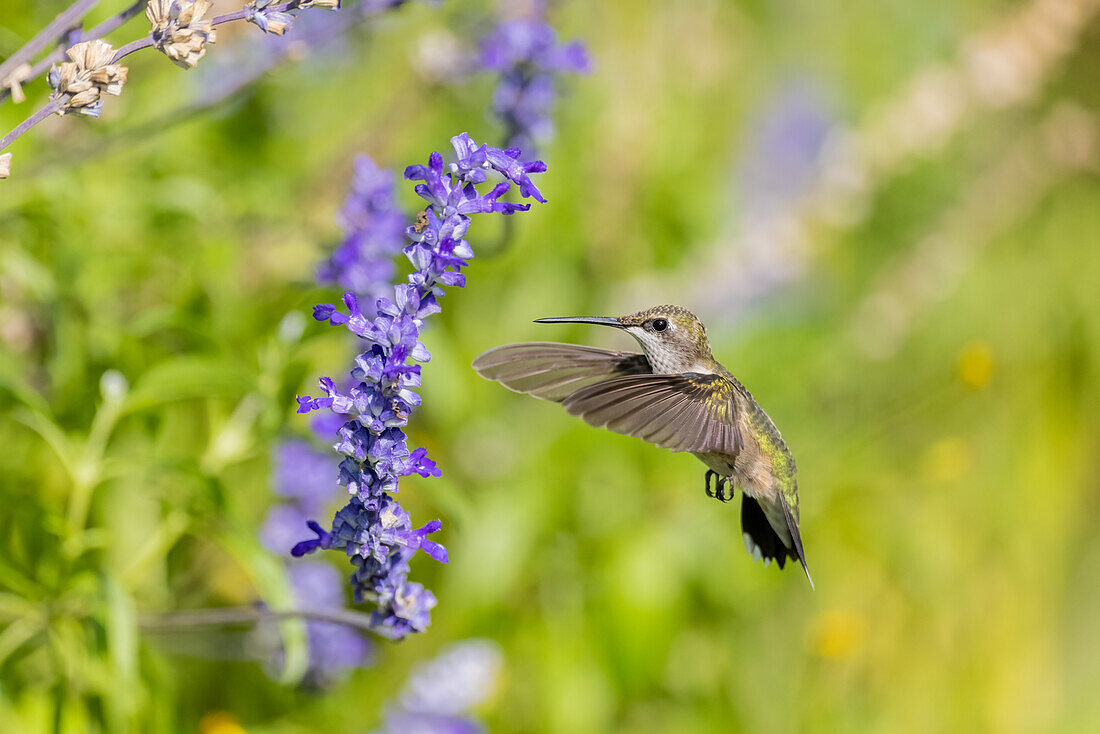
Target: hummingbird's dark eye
660, 324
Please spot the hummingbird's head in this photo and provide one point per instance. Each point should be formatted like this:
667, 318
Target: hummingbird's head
673, 339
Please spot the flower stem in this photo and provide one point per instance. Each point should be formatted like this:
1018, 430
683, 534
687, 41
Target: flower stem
58, 28
123, 52
59, 53
225, 616
146, 42
48, 109
115, 21
130, 47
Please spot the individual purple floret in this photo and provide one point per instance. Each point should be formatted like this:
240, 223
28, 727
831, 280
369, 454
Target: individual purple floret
440, 693
527, 55
375, 532
374, 233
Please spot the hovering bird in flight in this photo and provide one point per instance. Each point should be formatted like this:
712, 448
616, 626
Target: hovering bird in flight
679, 397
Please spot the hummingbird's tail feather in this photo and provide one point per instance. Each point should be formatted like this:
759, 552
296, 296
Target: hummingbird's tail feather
796, 538
763, 540
553, 371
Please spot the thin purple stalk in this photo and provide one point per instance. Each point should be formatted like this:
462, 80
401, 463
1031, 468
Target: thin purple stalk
238, 14
208, 99
130, 47
114, 21
58, 53
47, 110
122, 53
224, 616
60, 26
141, 43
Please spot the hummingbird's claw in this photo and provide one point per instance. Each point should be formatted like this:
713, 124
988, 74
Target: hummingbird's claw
720, 490
719, 486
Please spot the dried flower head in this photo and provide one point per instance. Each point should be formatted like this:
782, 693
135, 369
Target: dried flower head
326, 4
78, 84
180, 30
5, 165
267, 20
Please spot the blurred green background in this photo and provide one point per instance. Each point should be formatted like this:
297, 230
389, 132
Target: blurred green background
885, 211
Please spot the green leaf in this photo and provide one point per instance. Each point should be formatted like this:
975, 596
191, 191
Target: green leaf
122, 646
17, 633
12, 381
52, 434
184, 378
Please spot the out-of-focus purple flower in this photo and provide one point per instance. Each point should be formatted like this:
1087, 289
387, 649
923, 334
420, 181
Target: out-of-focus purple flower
374, 233
779, 162
402, 723
373, 529
325, 425
440, 693
302, 475
779, 158
283, 527
527, 55
370, 7
531, 41
459, 678
334, 649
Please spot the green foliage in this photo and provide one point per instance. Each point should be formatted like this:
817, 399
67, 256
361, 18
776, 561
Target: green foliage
949, 485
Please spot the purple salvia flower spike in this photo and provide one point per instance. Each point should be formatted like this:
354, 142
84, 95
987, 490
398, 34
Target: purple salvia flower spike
372, 528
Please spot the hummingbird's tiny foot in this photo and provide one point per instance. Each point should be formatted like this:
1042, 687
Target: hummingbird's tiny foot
710, 472
720, 490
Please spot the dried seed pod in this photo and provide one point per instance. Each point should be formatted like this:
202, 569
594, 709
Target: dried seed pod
179, 29
79, 83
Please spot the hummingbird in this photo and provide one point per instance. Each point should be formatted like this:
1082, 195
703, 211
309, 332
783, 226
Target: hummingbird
676, 395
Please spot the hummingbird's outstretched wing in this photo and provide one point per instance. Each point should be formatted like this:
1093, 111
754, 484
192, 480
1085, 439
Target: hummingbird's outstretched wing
686, 412
553, 371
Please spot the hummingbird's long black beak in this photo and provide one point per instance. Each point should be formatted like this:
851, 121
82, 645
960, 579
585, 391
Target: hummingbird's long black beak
601, 320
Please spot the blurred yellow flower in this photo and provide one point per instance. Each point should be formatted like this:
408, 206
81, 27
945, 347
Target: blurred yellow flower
948, 459
837, 634
975, 366
220, 722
